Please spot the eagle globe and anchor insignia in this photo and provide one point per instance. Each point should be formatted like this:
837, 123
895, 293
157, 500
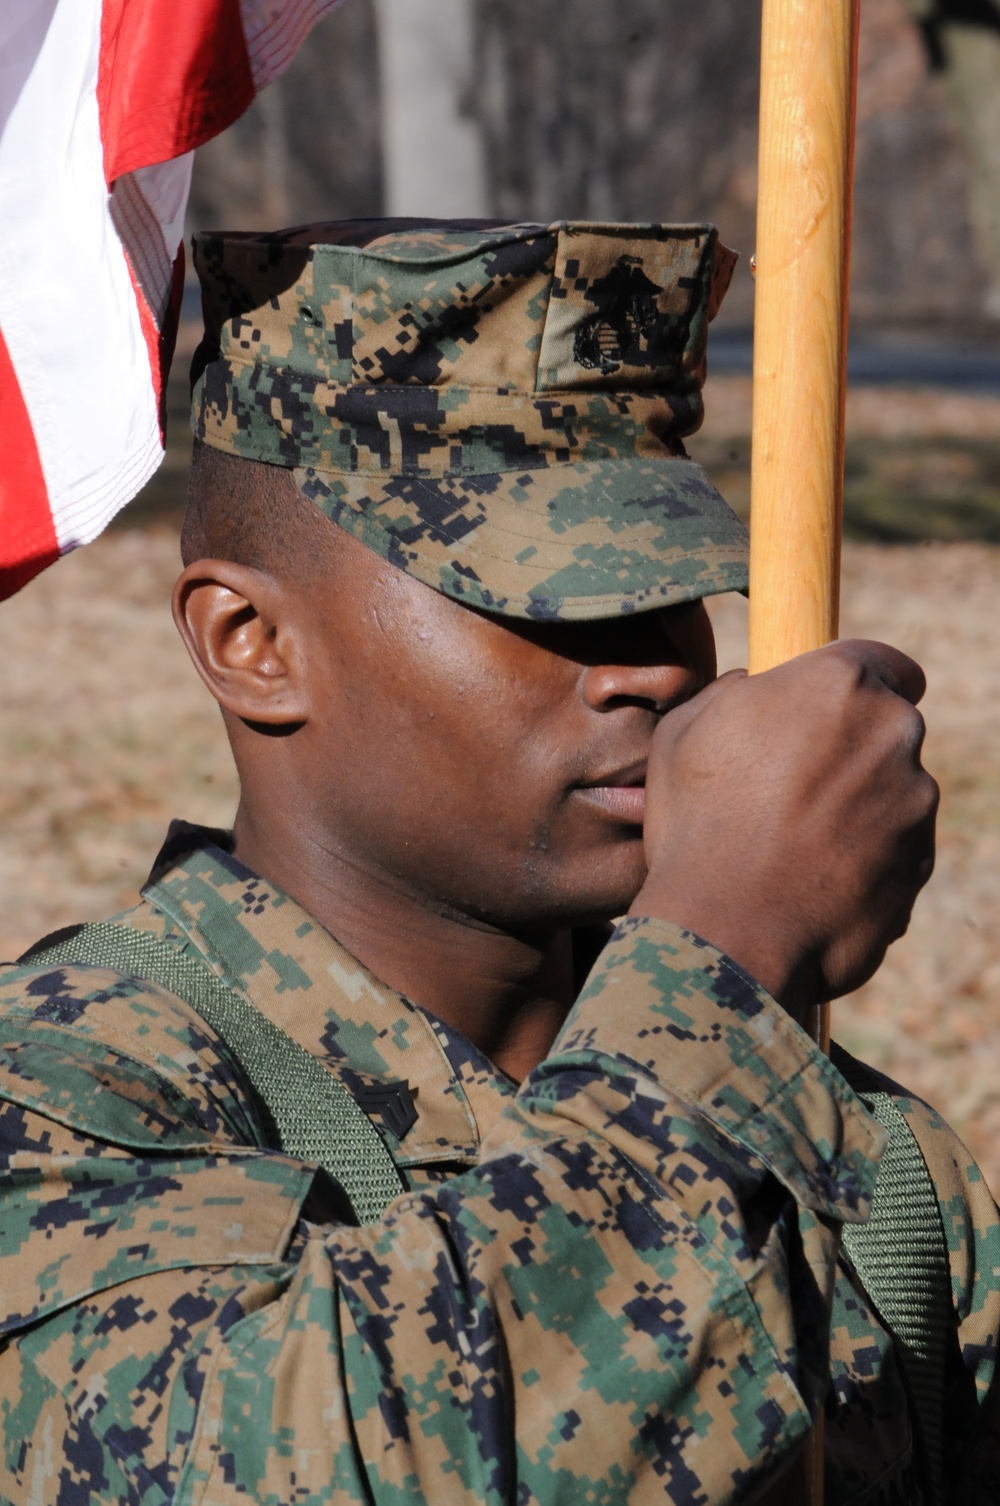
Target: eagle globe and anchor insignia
628, 329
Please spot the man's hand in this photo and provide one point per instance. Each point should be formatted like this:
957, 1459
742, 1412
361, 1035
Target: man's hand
788, 818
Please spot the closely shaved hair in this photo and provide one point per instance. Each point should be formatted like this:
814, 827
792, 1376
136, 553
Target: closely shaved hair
252, 514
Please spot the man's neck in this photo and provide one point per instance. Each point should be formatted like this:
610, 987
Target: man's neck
508, 994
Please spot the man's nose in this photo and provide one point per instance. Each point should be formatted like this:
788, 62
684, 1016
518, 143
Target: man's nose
655, 687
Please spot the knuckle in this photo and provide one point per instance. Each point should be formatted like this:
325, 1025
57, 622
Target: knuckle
846, 675
895, 726
931, 793
910, 725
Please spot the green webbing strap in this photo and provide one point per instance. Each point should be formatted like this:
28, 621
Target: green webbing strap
315, 1117
901, 1258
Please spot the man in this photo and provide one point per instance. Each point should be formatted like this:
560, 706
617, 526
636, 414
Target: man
592, 1250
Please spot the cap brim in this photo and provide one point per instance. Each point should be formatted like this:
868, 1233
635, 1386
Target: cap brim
569, 541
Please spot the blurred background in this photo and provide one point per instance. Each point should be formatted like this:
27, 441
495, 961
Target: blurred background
640, 110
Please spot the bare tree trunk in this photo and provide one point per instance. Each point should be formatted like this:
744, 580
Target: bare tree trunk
972, 75
431, 145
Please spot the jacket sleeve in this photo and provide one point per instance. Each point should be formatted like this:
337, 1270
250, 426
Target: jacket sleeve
627, 1298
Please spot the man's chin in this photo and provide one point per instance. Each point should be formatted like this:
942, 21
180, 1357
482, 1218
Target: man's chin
556, 891
602, 905
601, 890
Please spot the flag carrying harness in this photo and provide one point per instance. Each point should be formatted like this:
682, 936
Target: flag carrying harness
900, 1257
312, 1115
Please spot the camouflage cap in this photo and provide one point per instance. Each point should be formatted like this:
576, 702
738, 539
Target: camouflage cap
497, 409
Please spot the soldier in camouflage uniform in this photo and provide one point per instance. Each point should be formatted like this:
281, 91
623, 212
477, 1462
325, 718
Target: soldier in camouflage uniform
614, 1268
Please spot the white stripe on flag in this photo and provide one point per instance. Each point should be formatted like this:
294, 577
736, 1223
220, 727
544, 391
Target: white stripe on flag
274, 29
67, 307
147, 207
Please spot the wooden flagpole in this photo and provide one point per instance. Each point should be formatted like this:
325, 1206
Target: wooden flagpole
806, 161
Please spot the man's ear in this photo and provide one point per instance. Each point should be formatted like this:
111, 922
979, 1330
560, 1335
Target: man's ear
237, 627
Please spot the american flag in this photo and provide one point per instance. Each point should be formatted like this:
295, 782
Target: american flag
102, 103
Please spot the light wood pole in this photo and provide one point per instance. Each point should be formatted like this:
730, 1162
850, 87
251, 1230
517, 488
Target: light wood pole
806, 161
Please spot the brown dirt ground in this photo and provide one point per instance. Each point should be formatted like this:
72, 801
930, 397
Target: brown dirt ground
106, 733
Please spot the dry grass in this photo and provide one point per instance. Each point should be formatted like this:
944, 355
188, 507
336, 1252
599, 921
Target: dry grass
107, 733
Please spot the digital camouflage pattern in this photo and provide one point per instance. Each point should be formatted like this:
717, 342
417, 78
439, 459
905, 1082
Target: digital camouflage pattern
612, 1284
498, 410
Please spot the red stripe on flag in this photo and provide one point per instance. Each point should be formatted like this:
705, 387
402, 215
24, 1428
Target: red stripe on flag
170, 78
27, 534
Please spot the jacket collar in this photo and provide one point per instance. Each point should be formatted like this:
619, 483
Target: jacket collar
257, 939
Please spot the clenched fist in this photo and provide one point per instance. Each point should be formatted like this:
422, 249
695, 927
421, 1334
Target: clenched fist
789, 820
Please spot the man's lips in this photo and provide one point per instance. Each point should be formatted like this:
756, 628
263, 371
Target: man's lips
621, 793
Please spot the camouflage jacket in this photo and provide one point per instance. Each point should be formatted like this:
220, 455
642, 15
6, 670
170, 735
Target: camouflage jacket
613, 1283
